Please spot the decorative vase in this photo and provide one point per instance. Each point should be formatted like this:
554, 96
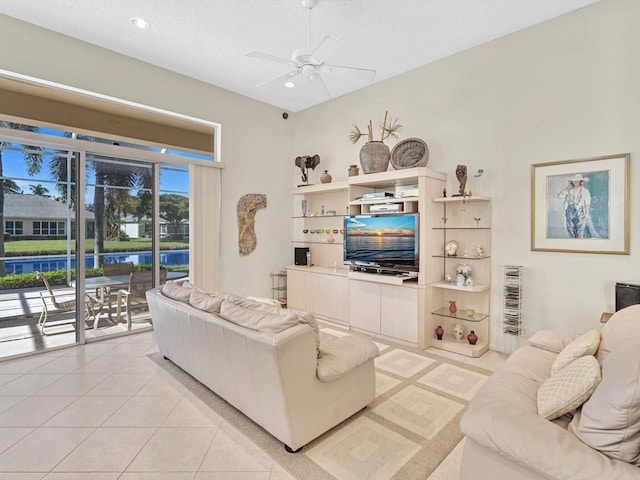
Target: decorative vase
452, 306
439, 332
325, 177
458, 331
374, 157
354, 171
472, 338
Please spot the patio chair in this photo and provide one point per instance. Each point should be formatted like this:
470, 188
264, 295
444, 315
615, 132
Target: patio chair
134, 296
62, 302
111, 270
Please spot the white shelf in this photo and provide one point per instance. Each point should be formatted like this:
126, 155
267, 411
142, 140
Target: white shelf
374, 201
452, 286
384, 278
321, 188
390, 178
460, 199
461, 347
337, 271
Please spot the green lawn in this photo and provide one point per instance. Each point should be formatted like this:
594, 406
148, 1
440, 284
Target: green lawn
37, 247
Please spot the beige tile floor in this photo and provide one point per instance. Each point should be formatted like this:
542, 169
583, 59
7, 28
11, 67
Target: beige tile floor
104, 411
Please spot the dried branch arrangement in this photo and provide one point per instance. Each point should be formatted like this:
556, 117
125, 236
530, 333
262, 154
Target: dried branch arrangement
389, 129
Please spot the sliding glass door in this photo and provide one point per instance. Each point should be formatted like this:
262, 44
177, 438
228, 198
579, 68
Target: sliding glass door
38, 248
127, 207
120, 247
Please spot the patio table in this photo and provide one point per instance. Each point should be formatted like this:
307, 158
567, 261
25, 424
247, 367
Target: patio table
104, 284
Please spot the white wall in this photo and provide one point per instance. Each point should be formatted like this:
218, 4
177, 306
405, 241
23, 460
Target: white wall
564, 89
256, 141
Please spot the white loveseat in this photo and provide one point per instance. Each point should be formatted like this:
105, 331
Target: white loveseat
267, 362
507, 438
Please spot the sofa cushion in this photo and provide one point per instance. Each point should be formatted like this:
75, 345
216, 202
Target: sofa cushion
585, 344
256, 319
252, 304
267, 301
208, 302
621, 329
177, 292
552, 340
566, 390
610, 419
340, 355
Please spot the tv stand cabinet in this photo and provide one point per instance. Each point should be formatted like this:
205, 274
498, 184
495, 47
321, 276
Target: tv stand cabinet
386, 306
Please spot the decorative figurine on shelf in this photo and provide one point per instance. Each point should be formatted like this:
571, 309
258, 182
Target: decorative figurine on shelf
439, 332
461, 175
470, 312
444, 193
472, 338
452, 306
479, 251
451, 249
477, 220
303, 205
304, 163
458, 331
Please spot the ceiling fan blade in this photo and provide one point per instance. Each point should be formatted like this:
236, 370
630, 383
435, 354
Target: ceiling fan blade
269, 58
282, 78
364, 74
327, 47
326, 89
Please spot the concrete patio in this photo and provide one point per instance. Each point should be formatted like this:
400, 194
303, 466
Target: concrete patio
19, 332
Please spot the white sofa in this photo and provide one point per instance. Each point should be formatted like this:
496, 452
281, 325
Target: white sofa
507, 439
267, 362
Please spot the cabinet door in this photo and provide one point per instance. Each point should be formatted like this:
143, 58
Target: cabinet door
328, 296
297, 289
399, 312
364, 305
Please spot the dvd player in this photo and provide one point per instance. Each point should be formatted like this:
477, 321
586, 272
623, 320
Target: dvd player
375, 195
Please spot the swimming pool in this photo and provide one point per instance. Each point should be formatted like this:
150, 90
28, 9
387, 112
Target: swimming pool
59, 262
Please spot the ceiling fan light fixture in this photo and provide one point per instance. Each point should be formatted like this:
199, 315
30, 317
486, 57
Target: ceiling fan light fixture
140, 23
289, 84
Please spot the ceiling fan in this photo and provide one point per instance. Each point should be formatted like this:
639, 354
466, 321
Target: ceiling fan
310, 64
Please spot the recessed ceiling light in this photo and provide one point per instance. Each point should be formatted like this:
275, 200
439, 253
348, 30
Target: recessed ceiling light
140, 23
289, 84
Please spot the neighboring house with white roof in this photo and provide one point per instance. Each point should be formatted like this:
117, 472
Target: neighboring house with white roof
28, 216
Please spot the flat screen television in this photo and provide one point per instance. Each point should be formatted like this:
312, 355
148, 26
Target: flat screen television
385, 241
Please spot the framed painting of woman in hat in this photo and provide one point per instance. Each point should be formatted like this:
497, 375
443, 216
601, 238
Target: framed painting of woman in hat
581, 205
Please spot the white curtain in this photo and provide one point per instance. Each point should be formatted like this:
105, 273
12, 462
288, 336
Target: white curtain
204, 219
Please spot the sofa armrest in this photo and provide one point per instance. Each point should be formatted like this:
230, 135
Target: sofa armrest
338, 356
552, 340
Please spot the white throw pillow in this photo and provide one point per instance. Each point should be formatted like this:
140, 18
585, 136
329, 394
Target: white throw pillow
585, 344
552, 340
568, 389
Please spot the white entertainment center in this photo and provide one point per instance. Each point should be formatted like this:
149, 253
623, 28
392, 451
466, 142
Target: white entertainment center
402, 307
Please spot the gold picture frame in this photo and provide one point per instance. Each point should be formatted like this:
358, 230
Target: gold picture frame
581, 206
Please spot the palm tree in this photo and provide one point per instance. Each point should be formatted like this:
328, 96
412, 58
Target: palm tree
9, 185
39, 190
33, 159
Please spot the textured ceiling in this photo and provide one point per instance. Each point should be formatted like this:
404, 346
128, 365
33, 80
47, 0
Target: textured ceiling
209, 39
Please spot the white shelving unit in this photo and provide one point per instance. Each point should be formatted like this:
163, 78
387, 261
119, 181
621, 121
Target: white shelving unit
381, 305
468, 222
